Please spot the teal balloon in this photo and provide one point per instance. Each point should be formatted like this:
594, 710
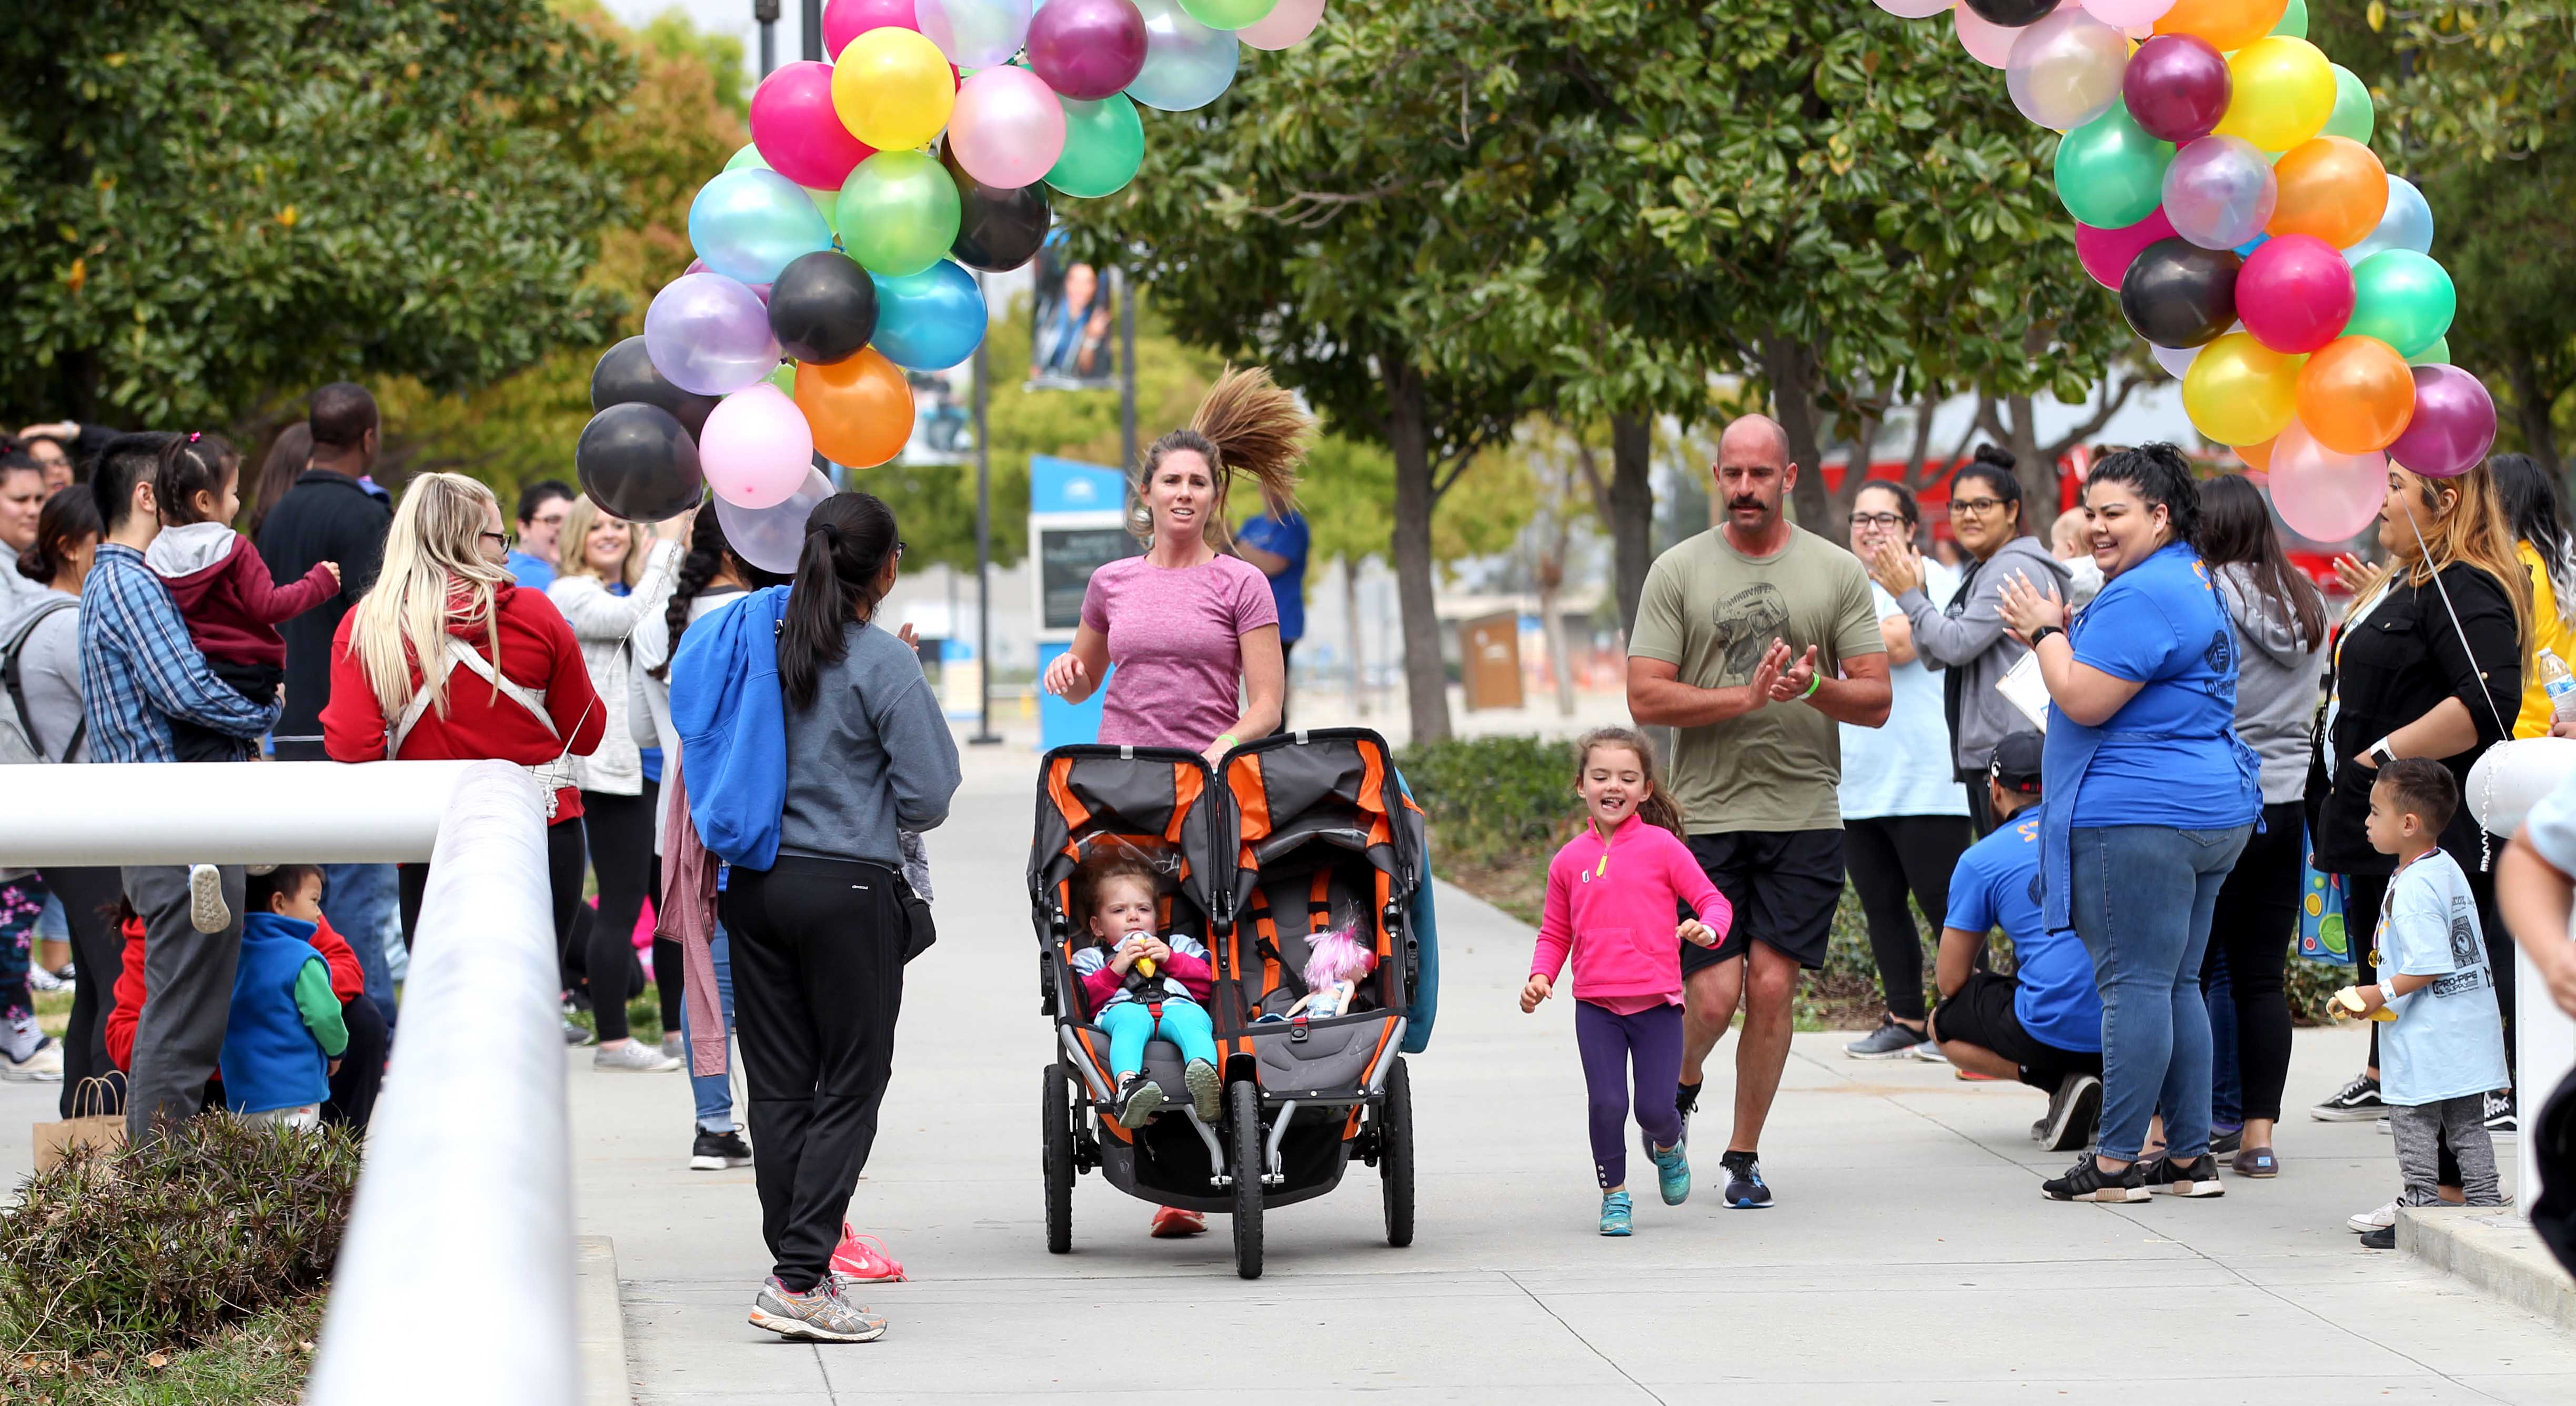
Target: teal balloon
2353, 116
1187, 64
2294, 21
2438, 354
748, 156
2404, 299
748, 224
898, 213
932, 320
1104, 143
2110, 171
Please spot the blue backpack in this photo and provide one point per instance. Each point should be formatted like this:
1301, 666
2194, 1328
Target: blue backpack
732, 720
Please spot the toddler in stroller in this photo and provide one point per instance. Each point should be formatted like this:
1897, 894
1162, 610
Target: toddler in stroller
1142, 986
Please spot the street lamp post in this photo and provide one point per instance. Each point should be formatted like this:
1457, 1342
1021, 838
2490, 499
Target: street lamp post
984, 734
766, 12
814, 29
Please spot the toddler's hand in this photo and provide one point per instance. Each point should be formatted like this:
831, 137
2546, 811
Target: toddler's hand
1155, 948
1535, 991
1692, 930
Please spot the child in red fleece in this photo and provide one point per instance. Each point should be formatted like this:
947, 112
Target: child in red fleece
222, 587
1610, 894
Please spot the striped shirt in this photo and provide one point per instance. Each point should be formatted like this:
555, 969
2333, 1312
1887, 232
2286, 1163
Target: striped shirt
139, 670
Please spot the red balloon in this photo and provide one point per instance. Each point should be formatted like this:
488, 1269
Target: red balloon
798, 132
2107, 253
845, 20
2177, 87
2295, 293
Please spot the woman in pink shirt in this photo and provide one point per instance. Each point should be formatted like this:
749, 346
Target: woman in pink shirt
1192, 629
1610, 895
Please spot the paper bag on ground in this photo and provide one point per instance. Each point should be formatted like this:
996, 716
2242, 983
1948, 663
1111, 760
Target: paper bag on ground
96, 1127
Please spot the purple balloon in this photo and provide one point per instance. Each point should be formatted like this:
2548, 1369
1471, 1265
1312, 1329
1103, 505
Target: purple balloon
709, 335
1087, 49
2177, 87
2454, 424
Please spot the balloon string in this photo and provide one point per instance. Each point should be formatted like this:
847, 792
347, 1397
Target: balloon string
2485, 855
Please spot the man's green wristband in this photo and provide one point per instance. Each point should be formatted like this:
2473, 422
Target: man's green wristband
1813, 684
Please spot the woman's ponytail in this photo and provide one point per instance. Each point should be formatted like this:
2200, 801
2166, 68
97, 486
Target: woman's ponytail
1246, 424
849, 538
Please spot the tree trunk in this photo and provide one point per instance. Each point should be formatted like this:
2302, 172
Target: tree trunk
2037, 472
1792, 368
1426, 678
1351, 625
2531, 406
1560, 660
1631, 512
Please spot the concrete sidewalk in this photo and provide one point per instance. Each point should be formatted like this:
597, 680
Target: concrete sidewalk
1910, 1255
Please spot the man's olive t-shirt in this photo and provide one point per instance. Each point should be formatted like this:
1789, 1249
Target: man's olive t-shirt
1710, 611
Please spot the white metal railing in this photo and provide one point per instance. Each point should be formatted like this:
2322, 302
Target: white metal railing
2503, 787
216, 813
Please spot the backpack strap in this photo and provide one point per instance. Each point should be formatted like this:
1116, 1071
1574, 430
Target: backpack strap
15, 675
460, 655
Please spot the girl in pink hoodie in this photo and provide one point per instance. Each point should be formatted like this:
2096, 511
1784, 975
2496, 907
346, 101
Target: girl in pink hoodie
1610, 901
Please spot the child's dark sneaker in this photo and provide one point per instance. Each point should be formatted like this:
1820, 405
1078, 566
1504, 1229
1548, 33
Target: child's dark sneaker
2086, 1181
2384, 1238
1745, 1189
2356, 1102
1617, 1217
1138, 1099
1672, 1173
1207, 1089
2175, 1177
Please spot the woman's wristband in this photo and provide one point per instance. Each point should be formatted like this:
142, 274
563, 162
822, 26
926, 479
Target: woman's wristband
1225, 742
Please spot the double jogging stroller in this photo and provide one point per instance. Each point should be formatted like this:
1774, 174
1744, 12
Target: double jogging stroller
1291, 836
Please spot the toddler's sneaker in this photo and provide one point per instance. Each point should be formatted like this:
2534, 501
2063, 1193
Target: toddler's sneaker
1617, 1215
2501, 1118
1672, 1173
2196, 1177
2356, 1102
2368, 1221
862, 1259
1745, 1188
2086, 1181
1138, 1099
1207, 1089
207, 911
819, 1314
716, 1152
633, 1057
39, 979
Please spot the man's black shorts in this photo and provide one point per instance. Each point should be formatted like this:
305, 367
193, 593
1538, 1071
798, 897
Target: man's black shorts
1982, 1015
1783, 886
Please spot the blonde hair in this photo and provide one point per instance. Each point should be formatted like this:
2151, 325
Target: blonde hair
1246, 424
2474, 531
579, 519
433, 553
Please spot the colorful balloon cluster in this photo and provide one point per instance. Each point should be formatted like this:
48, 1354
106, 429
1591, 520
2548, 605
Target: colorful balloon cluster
2220, 173
832, 252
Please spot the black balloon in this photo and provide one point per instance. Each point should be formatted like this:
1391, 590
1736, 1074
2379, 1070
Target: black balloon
2177, 294
2012, 14
636, 461
823, 307
625, 376
998, 228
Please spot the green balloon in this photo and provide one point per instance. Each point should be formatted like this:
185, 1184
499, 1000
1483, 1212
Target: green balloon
748, 156
784, 377
1104, 143
1228, 14
2404, 299
2294, 21
2438, 354
2354, 116
899, 213
2110, 172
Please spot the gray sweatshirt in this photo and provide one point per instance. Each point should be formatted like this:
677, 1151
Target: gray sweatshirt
871, 756
2279, 680
49, 667
1966, 637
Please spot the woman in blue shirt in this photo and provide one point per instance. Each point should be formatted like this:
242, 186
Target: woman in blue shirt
2150, 799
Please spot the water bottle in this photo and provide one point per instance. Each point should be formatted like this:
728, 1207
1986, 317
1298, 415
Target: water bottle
2558, 684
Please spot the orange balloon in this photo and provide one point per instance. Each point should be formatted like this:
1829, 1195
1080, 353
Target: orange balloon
861, 408
2257, 456
2333, 188
2227, 24
2357, 395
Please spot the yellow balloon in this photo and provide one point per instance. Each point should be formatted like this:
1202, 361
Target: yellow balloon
2284, 92
894, 89
2240, 391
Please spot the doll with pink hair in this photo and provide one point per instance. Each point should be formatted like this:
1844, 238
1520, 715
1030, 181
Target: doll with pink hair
1334, 966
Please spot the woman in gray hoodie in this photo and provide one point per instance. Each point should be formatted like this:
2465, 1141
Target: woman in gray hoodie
1964, 637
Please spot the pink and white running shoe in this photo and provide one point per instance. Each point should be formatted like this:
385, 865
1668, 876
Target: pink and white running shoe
863, 1259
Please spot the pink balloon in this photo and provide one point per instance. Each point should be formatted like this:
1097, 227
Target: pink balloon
845, 20
2454, 424
1008, 128
756, 448
2107, 253
2292, 295
2322, 495
798, 133
2128, 14
1288, 22
1987, 42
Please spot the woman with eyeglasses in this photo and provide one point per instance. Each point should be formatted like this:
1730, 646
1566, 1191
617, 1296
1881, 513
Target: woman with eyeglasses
1964, 636
1905, 820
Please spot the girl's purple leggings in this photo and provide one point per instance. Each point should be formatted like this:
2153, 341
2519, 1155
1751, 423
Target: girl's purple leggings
1650, 1042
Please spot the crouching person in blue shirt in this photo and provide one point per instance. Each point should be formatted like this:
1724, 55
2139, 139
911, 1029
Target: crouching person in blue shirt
2043, 1024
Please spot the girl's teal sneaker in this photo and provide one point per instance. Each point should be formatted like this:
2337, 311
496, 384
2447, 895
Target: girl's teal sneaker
1672, 1173
1615, 1214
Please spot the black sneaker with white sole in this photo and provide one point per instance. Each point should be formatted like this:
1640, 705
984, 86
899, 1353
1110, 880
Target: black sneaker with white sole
2501, 1118
1745, 1188
2169, 1176
2072, 1112
2356, 1102
2384, 1238
717, 1152
1138, 1099
1686, 1100
2086, 1181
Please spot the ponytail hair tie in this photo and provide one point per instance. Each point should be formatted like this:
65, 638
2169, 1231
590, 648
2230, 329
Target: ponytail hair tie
192, 435
830, 534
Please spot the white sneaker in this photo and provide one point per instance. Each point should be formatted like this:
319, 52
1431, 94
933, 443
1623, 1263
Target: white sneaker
43, 1064
206, 907
633, 1057
2368, 1221
39, 979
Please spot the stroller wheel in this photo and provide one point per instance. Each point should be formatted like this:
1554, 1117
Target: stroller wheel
1055, 1111
1243, 1116
1395, 1154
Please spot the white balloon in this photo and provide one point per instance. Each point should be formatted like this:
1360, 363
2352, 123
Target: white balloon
2515, 776
2175, 360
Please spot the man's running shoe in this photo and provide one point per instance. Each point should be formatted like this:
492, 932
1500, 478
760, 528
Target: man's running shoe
862, 1259
2173, 1177
2368, 1221
2086, 1181
1686, 1100
717, 1152
1745, 1189
818, 1315
1616, 1216
2072, 1112
1889, 1041
1672, 1173
2502, 1120
2356, 1102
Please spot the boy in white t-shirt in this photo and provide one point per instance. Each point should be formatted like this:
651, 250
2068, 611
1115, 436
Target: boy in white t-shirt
2444, 1049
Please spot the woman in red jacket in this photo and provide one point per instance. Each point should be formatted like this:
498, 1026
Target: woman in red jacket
506, 679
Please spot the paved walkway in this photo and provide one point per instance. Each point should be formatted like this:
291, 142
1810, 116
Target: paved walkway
1910, 1252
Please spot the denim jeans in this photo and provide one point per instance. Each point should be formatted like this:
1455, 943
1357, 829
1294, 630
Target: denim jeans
714, 1092
359, 900
2142, 900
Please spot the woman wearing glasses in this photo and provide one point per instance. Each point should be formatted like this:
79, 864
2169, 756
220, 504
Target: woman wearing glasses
1964, 635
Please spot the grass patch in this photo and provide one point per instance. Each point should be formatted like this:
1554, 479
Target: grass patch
643, 1019
262, 1361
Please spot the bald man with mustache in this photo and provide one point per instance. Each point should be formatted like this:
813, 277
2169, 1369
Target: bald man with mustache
1753, 640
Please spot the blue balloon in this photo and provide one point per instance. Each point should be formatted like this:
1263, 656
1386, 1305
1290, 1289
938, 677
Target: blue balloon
749, 224
931, 320
2249, 246
1187, 64
2407, 225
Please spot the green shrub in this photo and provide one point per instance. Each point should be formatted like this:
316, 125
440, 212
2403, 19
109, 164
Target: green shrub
1494, 800
160, 1247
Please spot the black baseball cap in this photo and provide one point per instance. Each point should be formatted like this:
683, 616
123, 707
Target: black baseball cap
2016, 762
